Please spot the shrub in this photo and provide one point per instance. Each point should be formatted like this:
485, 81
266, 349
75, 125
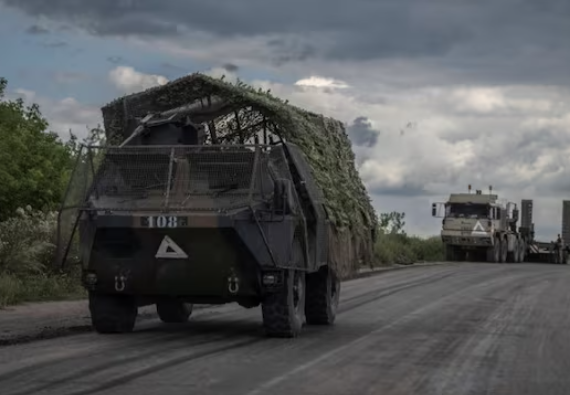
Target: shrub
38, 287
27, 242
27, 247
395, 248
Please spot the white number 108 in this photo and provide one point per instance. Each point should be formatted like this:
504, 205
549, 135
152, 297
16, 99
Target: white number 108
162, 222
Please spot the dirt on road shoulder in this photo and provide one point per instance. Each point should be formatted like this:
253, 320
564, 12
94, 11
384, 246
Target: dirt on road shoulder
35, 321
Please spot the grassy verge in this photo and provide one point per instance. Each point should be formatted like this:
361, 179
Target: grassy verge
38, 288
27, 251
406, 250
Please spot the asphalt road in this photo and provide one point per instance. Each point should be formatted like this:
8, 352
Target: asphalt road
451, 329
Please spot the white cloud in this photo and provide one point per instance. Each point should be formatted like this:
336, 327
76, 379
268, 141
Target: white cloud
321, 82
63, 115
128, 80
219, 72
435, 141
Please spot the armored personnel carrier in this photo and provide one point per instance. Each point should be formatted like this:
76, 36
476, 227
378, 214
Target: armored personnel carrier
213, 193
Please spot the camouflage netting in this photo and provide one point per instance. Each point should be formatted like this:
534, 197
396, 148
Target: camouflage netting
252, 113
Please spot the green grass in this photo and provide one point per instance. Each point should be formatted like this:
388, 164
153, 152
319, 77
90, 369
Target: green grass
407, 250
27, 251
37, 288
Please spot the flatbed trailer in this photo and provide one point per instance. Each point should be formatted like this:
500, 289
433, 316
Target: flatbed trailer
479, 227
539, 251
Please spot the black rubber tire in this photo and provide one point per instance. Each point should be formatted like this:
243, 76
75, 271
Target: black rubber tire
512, 256
323, 292
504, 250
523, 248
520, 250
284, 311
450, 253
112, 313
173, 311
494, 252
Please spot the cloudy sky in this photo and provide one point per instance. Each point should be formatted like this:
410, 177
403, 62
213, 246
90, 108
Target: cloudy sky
436, 94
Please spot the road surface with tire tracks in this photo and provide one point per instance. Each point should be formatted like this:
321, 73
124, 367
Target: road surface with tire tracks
473, 328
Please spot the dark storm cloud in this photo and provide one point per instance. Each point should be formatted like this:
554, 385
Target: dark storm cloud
37, 30
230, 67
361, 133
507, 40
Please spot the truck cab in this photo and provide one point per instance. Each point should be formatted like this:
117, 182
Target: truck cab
478, 225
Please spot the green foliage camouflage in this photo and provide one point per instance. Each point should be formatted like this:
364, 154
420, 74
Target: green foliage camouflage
323, 140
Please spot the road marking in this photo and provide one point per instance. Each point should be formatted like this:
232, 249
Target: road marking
478, 230
170, 250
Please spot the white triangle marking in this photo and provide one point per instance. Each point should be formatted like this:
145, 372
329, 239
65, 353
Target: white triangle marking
478, 229
168, 244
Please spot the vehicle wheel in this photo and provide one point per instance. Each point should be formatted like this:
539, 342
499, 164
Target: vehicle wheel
490, 254
504, 250
284, 311
518, 250
522, 246
494, 252
449, 253
323, 292
460, 255
513, 256
112, 313
173, 311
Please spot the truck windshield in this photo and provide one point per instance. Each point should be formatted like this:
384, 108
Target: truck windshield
467, 210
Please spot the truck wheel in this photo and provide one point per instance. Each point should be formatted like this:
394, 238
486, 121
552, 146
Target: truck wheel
490, 254
517, 251
173, 311
323, 291
513, 256
522, 246
460, 255
112, 313
504, 250
494, 253
449, 253
284, 311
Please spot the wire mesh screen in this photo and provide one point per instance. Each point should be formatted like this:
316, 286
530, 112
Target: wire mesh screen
74, 200
187, 178
280, 170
